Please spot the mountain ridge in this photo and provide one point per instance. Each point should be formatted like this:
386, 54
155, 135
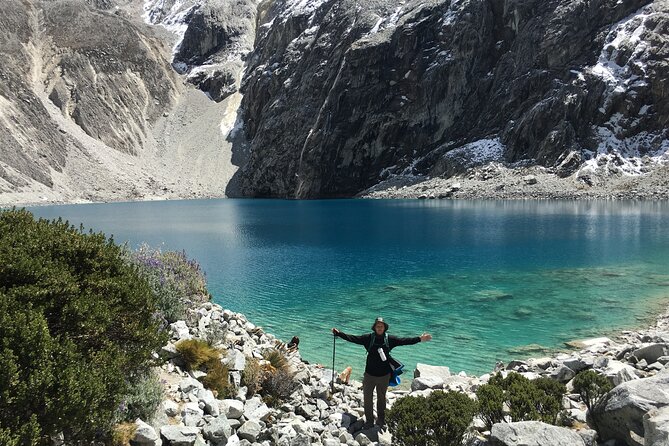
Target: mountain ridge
326, 98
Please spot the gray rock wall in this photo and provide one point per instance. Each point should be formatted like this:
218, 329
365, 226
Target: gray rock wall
338, 95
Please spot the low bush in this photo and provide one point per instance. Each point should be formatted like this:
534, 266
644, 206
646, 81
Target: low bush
252, 376
200, 355
441, 419
174, 279
196, 353
539, 400
490, 404
277, 386
218, 379
593, 388
76, 320
122, 433
276, 358
143, 397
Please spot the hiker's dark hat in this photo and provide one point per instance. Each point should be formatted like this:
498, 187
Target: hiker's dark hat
380, 319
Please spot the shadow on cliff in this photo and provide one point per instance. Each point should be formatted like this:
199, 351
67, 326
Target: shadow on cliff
240, 156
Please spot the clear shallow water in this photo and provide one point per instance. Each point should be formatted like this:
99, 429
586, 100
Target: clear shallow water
490, 280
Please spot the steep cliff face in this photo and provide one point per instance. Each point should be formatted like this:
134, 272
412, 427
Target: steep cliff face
341, 94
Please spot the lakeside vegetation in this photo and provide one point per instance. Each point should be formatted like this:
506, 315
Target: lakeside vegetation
80, 319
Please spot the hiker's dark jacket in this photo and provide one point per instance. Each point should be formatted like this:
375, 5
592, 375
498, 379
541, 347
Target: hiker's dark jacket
375, 366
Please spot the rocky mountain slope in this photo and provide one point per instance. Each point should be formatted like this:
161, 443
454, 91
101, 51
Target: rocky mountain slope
325, 98
93, 110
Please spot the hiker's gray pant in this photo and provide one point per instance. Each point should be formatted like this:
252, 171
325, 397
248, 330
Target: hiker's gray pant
380, 383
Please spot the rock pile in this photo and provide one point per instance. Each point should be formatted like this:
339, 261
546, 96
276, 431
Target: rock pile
192, 415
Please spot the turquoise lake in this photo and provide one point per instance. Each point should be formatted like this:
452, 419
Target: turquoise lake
490, 280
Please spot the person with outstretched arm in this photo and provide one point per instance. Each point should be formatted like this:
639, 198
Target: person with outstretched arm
377, 369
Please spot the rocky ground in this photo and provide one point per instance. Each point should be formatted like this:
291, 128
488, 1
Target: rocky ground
497, 181
635, 362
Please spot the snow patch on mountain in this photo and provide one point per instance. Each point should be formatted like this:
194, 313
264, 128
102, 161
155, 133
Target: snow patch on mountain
620, 63
171, 15
478, 152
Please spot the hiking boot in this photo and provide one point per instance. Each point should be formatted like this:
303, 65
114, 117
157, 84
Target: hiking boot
367, 426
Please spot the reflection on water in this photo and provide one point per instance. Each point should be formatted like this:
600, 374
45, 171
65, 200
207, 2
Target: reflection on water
489, 279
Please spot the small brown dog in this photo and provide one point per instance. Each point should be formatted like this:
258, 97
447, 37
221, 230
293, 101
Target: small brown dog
345, 375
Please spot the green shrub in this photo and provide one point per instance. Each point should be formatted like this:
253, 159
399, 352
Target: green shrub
196, 353
174, 278
549, 405
593, 388
76, 319
540, 399
409, 421
441, 419
145, 394
490, 404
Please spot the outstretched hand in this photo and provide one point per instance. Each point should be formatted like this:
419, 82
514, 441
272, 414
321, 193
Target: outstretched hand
425, 337
335, 331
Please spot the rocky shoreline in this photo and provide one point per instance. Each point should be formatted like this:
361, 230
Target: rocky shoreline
496, 181
493, 181
635, 362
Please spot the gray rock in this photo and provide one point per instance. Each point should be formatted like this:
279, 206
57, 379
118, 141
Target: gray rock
577, 363
308, 411
533, 433
179, 435
425, 370
363, 440
300, 440
651, 353
427, 382
145, 435
211, 404
188, 385
191, 414
255, 409
530, 179
656, 427
169, 351
235, 360
218, 431
170, 408
618, 372
233, 440
589, 436
562, 374
623, 410
656, 366
231, 408
180, 330
249, 431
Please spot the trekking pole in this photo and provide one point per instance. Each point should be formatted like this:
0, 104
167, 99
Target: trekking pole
334, 349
